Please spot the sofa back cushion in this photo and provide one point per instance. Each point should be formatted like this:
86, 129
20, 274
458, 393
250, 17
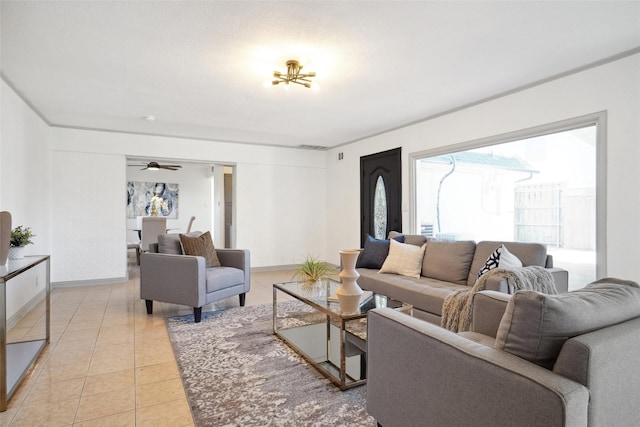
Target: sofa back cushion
448, 260
527, 253
535, 326
409, 239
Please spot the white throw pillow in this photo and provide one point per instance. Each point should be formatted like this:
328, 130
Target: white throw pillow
500, 258
509, 260
403, 259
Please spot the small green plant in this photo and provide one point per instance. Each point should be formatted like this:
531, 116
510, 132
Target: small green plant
312, 270
21, 236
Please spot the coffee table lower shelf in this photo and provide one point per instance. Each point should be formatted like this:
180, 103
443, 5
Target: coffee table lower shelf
320, 345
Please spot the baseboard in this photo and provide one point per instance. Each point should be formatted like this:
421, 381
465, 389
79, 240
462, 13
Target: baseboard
283, 267
95, 282
274, 268
25, 309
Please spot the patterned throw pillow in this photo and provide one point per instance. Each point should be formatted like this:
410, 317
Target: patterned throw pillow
375, 252
404, 259
200, 246
500, 258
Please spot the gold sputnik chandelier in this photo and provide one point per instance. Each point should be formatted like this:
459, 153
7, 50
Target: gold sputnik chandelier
293, 75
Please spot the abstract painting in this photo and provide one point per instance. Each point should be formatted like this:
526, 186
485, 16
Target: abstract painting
139, 195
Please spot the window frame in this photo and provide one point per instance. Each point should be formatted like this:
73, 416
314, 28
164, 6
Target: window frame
599, 119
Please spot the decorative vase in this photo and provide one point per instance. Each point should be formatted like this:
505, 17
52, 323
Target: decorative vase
16, 252
349, 292
5, 236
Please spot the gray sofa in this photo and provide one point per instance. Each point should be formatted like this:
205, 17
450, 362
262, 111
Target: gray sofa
449, 266
530, 359
169, 276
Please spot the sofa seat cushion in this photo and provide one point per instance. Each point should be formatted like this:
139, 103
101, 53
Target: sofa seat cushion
424, 294
535, 326
223, 277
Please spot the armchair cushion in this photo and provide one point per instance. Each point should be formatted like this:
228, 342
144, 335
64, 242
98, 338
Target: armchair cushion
535, 326
169, 244
223, 277
200, 246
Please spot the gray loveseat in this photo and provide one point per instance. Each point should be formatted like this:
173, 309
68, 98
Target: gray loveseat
449, 266
169, 276
530, 359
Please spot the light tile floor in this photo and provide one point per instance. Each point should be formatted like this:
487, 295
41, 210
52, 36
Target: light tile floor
109, 363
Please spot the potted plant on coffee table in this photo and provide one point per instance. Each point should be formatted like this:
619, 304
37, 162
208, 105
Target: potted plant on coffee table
311, 272
20, 237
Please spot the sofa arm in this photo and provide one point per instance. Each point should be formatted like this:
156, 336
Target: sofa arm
488, 309
560, 279
177, 279
238, 258
420, 374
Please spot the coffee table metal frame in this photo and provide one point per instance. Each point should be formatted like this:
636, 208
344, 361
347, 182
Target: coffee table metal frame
336, 321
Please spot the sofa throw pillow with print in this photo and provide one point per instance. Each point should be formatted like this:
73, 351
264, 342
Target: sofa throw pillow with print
201, 245
404, 259
500, 258
375, 252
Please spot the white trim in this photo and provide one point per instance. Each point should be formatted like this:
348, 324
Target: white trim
599, 119
97, 282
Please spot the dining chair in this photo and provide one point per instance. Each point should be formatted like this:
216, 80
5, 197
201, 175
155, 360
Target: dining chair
193, 218
152, 227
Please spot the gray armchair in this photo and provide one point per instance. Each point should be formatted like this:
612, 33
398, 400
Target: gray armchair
531, 359
168, 276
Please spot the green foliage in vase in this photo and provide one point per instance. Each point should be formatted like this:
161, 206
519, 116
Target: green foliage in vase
21, 236
312, 270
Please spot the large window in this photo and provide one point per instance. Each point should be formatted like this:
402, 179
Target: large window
539, 188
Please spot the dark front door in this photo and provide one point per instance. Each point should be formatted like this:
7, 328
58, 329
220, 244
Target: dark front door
380, 194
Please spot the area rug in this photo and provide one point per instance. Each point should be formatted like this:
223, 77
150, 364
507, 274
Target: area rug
237, 373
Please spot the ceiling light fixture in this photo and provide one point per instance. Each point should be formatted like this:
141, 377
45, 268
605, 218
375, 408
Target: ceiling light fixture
293, 75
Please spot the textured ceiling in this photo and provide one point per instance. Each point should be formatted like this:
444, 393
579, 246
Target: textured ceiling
199, 67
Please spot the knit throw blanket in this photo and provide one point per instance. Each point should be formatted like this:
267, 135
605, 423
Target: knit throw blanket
457, 308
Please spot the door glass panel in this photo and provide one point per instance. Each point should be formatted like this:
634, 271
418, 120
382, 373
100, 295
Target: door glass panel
380, 210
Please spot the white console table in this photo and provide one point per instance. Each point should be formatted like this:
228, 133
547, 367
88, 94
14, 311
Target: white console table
16, 358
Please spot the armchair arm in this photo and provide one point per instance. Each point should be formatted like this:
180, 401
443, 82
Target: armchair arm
177, 279
420, 374
238, 258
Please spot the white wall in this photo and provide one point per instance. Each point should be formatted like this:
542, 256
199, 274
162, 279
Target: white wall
614, 87
89, 227
276, 220
25, 186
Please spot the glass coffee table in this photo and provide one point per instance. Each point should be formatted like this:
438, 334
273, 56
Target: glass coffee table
333, 342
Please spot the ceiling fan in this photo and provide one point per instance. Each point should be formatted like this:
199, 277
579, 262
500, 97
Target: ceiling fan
154, 166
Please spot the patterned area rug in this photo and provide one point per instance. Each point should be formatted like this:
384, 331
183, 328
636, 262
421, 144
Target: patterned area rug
237, 373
